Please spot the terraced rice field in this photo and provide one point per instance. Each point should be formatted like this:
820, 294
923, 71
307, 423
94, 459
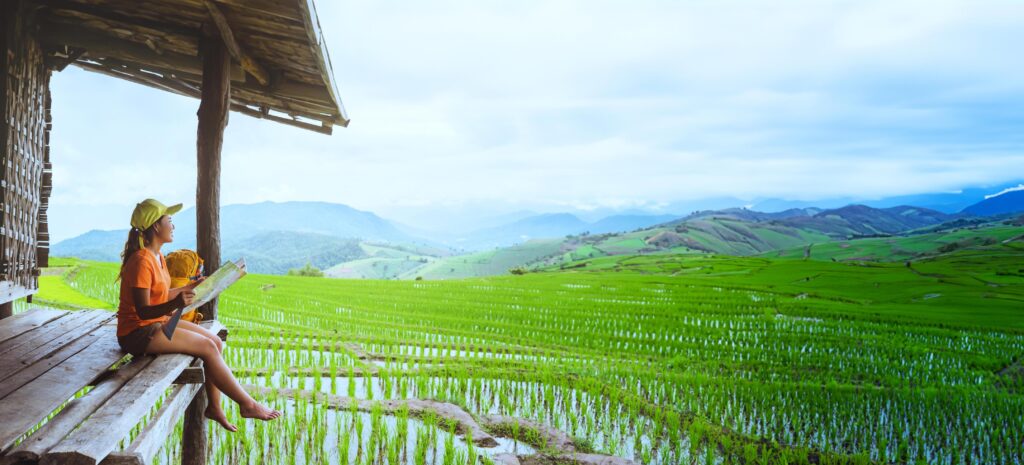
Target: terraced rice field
655, 360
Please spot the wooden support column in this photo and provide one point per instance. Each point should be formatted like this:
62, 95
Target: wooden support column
213, 118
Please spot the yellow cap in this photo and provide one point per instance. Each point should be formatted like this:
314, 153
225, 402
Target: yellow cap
149, 211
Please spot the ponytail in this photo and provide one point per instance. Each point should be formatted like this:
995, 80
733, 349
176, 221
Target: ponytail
137, 239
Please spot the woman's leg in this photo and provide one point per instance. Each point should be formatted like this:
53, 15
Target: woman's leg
213, 408
184, 341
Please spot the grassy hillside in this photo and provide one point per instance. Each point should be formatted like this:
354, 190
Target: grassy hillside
746, 233
383, 262
975, 287
486, 263
898, 248
732, 232
720, 235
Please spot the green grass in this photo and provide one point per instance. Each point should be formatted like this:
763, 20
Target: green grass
55, 291
899, 248
965, 288
744, 359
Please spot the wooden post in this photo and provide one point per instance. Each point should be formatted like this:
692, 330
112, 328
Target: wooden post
213, 117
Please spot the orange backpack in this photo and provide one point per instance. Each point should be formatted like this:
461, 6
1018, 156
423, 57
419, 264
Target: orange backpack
184, 266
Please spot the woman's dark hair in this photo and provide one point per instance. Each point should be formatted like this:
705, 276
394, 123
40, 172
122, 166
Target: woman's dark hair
132, 244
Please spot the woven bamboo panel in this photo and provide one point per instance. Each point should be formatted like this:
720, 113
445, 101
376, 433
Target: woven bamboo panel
23, 154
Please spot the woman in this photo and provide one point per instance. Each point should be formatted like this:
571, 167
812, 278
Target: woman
147, 301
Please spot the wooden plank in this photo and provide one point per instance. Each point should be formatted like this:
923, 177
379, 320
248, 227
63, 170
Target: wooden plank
18, 373
20, 346
10, 290
35, 331
194, 374
323, 129
100, 45
25, 355
270, 7
98, 435
40, 441
25, 321
155, 36
160, 427
50, 337
30, 404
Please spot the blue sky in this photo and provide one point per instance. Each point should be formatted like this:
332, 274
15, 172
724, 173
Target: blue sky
481, 108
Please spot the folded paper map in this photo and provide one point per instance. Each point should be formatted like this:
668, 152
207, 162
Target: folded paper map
207, 290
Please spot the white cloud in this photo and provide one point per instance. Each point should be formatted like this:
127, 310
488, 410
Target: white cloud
1008, 189
587, 105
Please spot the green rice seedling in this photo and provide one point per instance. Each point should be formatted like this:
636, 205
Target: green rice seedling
402, 422
393, 454
471, 452
422, 445
344, 444
449, 447
359, 436
351, 382
368, 380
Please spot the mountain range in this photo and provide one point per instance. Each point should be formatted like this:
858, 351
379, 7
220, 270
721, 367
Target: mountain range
275, 237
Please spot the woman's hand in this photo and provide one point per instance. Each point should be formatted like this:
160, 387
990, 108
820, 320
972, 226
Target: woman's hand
193, 284
185, 297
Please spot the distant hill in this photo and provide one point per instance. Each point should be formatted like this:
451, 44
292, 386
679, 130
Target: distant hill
488, 262
384, 261
851, 220
273, 237
732, 231
862, 220
275, 252
548, 226
240, 221
623, 223
746, 215
1006, 202
93, 245
946, 202
271, 252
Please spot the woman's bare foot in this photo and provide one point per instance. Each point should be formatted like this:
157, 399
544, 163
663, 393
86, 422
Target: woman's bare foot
259, 411
216, 414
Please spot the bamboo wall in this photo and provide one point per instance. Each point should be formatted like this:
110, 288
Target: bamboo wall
24, 153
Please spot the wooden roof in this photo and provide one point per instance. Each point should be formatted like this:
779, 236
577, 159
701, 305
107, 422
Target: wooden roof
281, 70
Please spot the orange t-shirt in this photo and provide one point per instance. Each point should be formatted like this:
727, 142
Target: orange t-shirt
142, 270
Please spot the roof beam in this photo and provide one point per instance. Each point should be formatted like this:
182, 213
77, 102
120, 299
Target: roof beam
100, 45
249, 64
274, 8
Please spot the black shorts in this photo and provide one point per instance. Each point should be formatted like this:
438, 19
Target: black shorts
137, 341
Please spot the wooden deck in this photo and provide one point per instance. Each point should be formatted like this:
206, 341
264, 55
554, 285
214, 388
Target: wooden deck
47, 355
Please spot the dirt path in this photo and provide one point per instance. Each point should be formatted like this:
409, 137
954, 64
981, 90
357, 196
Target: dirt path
464, 421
